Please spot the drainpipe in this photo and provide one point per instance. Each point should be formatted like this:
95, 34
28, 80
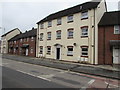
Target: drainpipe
37, 42
94, 40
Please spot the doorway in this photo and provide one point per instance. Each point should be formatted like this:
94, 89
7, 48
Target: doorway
116, 53
57, 53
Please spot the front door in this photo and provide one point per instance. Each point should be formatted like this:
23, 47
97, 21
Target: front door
116, 57
57, 53
26, 51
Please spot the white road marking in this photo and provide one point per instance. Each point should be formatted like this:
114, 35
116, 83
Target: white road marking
33, 75
91, 81
111, 84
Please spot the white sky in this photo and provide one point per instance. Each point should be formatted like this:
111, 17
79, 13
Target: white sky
24, 14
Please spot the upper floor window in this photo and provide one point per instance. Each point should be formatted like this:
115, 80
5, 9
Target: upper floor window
41, 25
49, 50
15, 42
84, 15
58, 34
49, 36
59, 21
116, 29
84, 51
27, 39
41, 49
70, 51
20, 40
70, 18
84, 31
32, 38
70, 33
41, 36
49, 23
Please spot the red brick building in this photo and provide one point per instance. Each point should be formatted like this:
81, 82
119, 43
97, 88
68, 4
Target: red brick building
23, 44
109, 38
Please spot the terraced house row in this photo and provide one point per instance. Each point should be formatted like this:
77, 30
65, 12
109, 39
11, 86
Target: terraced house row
85, 33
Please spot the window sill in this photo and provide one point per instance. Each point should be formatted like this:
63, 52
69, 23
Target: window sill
69, 21
69, 55
49, 26
69, 37
84, 56
58, 24
84, 18
58, 38
48, 39
48, 53
84, 36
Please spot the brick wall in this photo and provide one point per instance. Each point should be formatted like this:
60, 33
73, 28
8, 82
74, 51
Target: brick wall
105, 34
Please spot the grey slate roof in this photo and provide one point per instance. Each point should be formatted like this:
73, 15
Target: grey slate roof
30, 33
110, 18
9, 32
79, 8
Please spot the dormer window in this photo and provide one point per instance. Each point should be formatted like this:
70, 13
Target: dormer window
70, 18
84, 15
49, 23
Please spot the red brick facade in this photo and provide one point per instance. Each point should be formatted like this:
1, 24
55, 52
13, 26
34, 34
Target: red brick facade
23, 45
105, 53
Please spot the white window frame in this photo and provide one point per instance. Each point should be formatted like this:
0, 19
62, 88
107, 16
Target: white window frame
48, 50
84, 31
49, 23
84, 51
31, 50
32, 38
116, 29
70, 18
84, 15
49, 35
41, 25
70, 33
21, 40
58, 34
69, 53
41, 36
59, 21
41, 49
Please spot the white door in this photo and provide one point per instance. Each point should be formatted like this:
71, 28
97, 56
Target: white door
116, 55
26, 52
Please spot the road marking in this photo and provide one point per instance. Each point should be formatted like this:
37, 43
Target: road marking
111, 84
91, 81
33, 75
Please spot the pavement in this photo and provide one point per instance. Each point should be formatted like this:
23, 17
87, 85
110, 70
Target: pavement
107, 71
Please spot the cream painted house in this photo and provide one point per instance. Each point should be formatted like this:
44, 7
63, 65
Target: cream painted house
71, 34
7, 36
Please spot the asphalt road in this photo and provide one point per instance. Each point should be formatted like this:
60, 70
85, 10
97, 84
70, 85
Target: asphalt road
23, 75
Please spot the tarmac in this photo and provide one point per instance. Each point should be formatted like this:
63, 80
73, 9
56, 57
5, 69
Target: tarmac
108, 71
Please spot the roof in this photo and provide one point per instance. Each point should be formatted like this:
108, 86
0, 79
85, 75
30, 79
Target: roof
30, 33
110, 18
10, 32
72, 10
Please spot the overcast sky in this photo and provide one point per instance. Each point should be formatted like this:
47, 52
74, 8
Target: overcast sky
25, 15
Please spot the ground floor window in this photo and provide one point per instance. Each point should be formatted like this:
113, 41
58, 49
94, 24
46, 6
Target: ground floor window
31, 50
48, 50
70, 51
41, 49
84, 51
